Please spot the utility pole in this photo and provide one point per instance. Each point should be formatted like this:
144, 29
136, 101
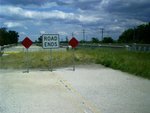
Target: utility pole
102, 31
134, 35
72, 34
67, 39
83, 35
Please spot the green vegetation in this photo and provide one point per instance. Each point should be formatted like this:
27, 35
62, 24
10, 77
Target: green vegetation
107, 40
94, 40
41, 59
139, 34
8, 37
137, 63
104, 40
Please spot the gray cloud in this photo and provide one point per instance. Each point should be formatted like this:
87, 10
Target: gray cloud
35, 2
130, 9
17, 12
22, 2
87, 4
39, 15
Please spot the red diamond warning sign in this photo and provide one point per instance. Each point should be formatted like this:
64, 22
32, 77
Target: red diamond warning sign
27, 42
73, 42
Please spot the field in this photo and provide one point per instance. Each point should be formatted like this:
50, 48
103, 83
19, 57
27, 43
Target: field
137, 63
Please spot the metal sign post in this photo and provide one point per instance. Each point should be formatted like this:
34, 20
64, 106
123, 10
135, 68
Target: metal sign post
50, 41
27, 43
27, 61
1, 54
0, 62
0, 57
73, 42
51, 59
73, 59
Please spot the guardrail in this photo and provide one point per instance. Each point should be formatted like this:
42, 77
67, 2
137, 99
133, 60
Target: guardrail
5, 46
1, 50
138, 47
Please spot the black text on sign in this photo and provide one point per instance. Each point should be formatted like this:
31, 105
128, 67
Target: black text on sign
50, 41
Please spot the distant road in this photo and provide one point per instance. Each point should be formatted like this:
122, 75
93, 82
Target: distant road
20, 48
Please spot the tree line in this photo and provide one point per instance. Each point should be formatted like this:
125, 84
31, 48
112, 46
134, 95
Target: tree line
93, 40
8, 37
139, 34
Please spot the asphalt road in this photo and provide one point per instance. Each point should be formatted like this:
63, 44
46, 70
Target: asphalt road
89, 89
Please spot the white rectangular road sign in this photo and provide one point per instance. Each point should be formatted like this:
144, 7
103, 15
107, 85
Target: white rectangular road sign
50, 41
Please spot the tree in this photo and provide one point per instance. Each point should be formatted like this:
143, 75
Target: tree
143, 33
8, 37
107, 40
40, 39
95, 40
3, 34
13, 37
140, 34
127, 36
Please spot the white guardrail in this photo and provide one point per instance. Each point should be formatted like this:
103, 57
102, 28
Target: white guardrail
138, 47
5, 46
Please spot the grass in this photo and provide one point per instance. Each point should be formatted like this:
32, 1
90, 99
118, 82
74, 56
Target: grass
137, 63
41, 59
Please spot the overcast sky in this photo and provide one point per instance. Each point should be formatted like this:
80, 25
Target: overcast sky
34, 17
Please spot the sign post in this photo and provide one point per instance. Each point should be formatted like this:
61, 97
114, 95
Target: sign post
27, 43
1, 54
51, 59
50, 41
73, 42
27, 60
